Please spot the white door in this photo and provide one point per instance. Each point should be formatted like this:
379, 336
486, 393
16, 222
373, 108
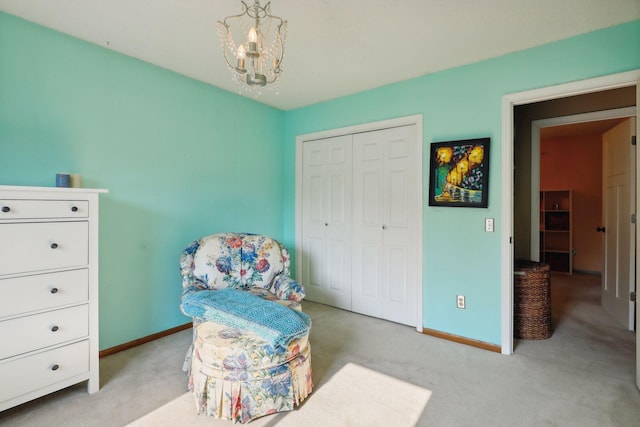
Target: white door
326, 219
636, 260
618, 172
385, 224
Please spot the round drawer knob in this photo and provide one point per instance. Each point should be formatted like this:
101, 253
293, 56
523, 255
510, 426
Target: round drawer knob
54, 290
54, 329
55, 367
74, 209
54, 246
6, 209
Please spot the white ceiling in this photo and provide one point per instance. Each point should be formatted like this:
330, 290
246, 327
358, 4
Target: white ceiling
334, 47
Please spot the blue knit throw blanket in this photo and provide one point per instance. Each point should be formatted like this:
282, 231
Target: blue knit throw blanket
273, 322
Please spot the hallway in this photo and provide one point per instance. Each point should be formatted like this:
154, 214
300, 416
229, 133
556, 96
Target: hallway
583, 333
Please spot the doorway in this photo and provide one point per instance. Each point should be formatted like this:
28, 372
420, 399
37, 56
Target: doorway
569, 153
517, 217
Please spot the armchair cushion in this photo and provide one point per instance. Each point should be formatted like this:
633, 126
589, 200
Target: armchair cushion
262, 260
217, 261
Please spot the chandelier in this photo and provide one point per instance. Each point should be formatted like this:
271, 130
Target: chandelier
255, 56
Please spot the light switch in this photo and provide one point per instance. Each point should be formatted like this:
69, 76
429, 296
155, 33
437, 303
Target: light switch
488, 225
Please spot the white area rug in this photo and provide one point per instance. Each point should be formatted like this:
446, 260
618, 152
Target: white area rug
353, 397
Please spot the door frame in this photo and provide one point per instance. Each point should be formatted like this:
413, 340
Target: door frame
536, 126
509, 101
416, 120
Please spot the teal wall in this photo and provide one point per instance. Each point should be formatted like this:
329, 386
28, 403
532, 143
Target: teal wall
176, 155
465, 102
180, 163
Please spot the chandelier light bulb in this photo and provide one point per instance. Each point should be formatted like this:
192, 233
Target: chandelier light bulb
241, 55
253, 35
242, 52
253, 43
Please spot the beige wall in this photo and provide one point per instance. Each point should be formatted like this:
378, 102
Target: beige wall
575, 163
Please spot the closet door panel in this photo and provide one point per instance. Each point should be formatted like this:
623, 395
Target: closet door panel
313, 206
313, 264
397, 271
337, 199
366, 278
338, 281
369, 209
326, 217
370, 273
368, 183
338, 221
315, 199
313, 189
398, 199
384, 224
400, 222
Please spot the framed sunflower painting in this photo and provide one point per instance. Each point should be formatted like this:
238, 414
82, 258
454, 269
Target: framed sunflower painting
460, 173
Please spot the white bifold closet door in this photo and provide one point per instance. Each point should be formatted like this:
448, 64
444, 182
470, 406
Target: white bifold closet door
326, 218
359, 223
384, 260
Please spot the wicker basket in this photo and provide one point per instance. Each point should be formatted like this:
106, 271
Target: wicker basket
532, 301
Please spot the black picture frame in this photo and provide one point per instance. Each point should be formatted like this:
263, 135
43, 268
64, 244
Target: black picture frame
459, 173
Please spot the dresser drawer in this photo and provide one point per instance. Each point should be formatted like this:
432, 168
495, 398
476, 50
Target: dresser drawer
37, 209
26, 247
43, 291
24, 334
24, 375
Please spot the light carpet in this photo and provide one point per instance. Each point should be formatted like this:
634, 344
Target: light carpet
354, 396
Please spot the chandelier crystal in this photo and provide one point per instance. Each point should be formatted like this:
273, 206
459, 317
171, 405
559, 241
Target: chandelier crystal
253, 46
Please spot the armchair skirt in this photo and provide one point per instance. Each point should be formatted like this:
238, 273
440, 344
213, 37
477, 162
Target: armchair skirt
235, 375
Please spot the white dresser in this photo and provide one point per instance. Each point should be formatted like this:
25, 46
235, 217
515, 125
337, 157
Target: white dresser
48, 291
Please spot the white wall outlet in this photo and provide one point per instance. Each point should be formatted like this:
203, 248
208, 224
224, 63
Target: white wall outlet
488, 225
461, 301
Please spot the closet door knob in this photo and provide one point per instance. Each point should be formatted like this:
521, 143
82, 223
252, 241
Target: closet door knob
74, 209
6, 209
54, 290
54, 246
384, 227
600, 229
54, 328
55, 367
326, 224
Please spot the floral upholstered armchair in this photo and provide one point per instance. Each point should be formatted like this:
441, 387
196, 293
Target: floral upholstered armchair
251, 262
250, 354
